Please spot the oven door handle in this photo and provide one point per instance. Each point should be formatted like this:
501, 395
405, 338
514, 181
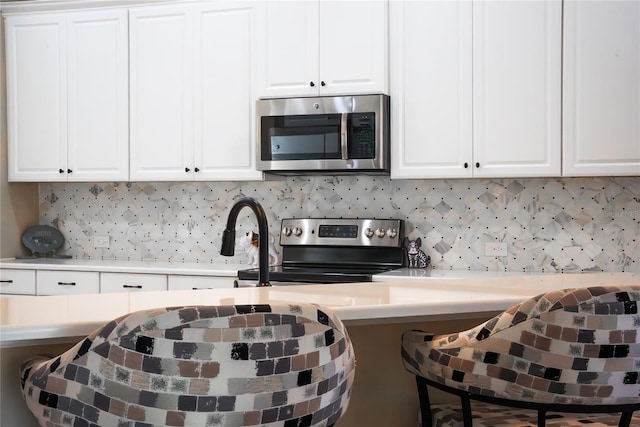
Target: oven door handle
344, 143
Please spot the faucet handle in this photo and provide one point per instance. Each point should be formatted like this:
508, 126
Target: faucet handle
228, 242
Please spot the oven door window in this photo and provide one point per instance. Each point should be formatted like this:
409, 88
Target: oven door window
307, 137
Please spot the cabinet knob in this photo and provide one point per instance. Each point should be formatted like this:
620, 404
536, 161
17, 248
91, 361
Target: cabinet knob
197, 170
187, 169
466, 165
312, 84
61, 170
322, 83
477, 164
69, 171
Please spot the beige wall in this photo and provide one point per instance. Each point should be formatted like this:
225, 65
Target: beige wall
18, 201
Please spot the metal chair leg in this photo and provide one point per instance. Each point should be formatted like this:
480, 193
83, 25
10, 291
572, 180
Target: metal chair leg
625, 419
542, 418
467, 418
425, 404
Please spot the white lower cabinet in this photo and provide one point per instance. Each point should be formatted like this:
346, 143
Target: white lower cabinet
67, 282
55, 282
125, 282
18, 282
194, 283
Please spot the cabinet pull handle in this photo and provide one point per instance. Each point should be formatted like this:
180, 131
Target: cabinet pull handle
6, 281
200, 289
477, 164
466, 165
187, 169
132, 286
312, 84
66, 283
197, 170
69, 171
322, 83
61, 170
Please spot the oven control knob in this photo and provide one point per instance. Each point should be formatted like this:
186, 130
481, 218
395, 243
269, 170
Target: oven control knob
297, 231
368, 232
286, 231
381, 232
392, 233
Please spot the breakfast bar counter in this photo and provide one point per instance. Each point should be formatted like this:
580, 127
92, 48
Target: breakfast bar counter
31, 320
376, 314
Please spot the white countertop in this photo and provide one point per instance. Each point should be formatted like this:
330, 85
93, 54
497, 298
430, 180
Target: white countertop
28, 320
121, 266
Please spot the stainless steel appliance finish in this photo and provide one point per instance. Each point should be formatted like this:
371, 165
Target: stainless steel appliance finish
335, 134
334, 250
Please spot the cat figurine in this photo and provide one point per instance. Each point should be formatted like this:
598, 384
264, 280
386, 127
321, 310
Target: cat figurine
416, 258
247, 243
250, 244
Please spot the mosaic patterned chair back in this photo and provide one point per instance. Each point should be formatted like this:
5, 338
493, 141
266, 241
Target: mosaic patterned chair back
573, 346
272, 365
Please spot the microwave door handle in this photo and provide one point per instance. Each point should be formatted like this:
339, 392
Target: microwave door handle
343, 136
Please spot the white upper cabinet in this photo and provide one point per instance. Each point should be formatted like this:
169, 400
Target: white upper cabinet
161, 74
322, 47
517, 66
431, 89
225, 52
601, 102
192, 91
475, 88
67, 100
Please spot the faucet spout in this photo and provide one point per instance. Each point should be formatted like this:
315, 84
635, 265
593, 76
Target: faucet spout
229, 236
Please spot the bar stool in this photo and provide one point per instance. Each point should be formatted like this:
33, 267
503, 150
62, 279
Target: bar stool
569, 357
244, 365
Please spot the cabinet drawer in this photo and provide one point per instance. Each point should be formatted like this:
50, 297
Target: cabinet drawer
124, 282
19, 282
67, 282
192, 283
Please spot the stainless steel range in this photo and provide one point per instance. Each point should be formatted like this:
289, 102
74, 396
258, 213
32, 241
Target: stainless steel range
334, 251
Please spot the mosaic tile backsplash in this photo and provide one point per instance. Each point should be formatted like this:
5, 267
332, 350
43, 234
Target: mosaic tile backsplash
549, 224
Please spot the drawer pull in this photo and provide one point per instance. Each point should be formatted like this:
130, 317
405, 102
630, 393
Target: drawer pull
6, 281
200, 289
132, 286
66, 283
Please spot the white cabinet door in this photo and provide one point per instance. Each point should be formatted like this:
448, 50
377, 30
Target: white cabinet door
225, 45
353, 47
516, 88
323, 48
125, 282
68, 96
288, 62
475, 88
601, 103
430, 48
36, 50
67, 282
98, 97
17, 282
194, 283
160, 42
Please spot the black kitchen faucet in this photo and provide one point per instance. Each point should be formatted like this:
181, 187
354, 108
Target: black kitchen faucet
229, 236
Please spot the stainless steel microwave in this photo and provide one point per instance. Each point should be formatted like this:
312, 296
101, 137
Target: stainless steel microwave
331, 134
